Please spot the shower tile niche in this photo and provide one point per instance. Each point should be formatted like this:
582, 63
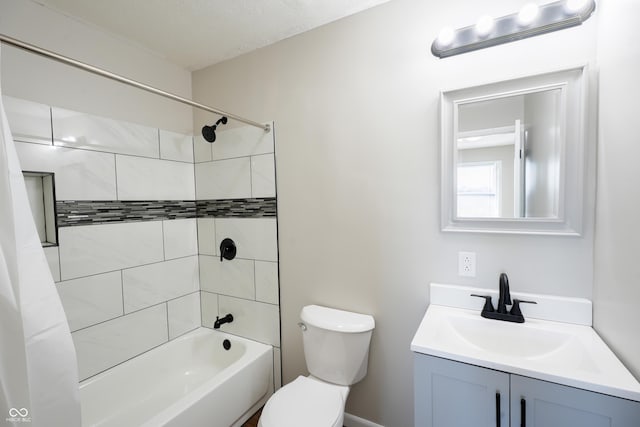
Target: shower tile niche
42, 200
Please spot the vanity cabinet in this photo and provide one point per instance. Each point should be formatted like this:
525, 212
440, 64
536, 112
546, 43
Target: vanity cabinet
455, 394
536, 403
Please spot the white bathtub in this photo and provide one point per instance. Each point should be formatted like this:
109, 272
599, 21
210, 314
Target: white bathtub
191, 381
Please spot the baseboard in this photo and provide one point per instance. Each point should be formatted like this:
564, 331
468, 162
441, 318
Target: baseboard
353, 421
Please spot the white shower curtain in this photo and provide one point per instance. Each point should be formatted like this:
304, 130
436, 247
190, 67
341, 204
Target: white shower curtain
38, 367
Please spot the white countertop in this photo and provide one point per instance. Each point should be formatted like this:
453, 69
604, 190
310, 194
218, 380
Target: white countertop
563, 353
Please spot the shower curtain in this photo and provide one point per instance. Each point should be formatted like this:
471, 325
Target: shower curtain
38, 367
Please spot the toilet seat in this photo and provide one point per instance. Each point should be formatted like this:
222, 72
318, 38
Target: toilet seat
305, 402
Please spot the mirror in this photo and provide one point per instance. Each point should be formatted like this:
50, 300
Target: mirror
512, 155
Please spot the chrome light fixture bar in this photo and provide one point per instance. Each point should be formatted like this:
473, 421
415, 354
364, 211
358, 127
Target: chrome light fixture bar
532, 20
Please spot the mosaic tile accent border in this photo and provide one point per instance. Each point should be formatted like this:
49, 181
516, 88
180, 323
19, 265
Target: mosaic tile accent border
88, 212
242, 208
73, 212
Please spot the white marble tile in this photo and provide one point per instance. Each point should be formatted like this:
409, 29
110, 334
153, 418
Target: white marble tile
267, 282
184, 314
180, 238
209, 306
277, 368
28, 121
79, 174
263, 176
176, 146
207, 236
153, 179
93, 299
223, 179
93, 249
154, 283
242, 141
255, 238
80, 130
233, 277
201, 149
251, 319
105, 345
53, 259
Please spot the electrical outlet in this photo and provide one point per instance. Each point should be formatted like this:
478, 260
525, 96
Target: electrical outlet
467, 264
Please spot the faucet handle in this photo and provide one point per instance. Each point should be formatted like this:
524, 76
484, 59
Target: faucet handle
488, 306
515, 309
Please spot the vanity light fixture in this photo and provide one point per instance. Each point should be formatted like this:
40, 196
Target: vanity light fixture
446, 36
531, 20
528, 14
484, 26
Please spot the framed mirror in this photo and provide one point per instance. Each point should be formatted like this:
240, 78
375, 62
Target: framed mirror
513, 155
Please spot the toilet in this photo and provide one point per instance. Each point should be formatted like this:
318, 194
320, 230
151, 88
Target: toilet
336, 349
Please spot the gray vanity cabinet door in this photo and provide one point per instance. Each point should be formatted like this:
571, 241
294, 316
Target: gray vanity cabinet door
454, 394
553, 405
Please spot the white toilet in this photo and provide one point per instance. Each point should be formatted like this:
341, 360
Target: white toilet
336, 348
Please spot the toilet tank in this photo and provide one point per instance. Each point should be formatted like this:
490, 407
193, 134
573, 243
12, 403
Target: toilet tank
336, 343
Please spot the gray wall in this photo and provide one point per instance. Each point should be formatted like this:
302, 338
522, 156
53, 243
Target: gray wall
356, 108
617, 271
542, 179
32, 77
490, 114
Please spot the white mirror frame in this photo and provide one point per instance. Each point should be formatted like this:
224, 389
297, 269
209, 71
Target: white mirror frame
573, 84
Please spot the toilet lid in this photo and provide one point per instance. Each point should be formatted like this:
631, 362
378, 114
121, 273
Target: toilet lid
303, 402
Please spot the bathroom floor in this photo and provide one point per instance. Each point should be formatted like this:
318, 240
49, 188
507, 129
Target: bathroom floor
253, 421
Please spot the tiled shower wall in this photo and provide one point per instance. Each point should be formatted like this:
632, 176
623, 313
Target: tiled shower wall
235, 193
126, 287
141, 216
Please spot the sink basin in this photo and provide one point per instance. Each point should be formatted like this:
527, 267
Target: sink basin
503, 338
563, 353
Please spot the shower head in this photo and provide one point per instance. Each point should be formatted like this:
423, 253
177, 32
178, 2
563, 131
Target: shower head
209, 132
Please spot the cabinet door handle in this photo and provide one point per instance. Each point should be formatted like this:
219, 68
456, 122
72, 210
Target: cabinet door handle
498, 409
523, 413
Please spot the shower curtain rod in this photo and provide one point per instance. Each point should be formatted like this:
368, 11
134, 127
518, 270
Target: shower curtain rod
99, 71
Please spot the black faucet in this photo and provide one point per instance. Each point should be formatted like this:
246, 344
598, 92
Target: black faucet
219, 322
504, 299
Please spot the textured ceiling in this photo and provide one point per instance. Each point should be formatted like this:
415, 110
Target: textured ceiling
198, 33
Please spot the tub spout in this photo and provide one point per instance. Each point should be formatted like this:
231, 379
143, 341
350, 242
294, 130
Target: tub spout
219, 322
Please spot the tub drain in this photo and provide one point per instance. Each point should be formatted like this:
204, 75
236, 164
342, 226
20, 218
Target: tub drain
226, 344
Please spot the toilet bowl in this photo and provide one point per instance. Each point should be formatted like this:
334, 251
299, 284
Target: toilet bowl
315, 402
336, 349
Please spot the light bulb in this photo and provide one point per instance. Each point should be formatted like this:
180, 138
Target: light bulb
528, 14
574, 6
484, 25
445, 37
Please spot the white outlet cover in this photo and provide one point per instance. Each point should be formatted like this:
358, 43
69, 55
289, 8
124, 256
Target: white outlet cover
467, 264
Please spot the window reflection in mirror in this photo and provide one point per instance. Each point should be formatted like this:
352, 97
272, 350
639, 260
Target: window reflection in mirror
509, 152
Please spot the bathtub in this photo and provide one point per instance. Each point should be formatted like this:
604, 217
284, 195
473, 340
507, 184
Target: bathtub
191, 381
